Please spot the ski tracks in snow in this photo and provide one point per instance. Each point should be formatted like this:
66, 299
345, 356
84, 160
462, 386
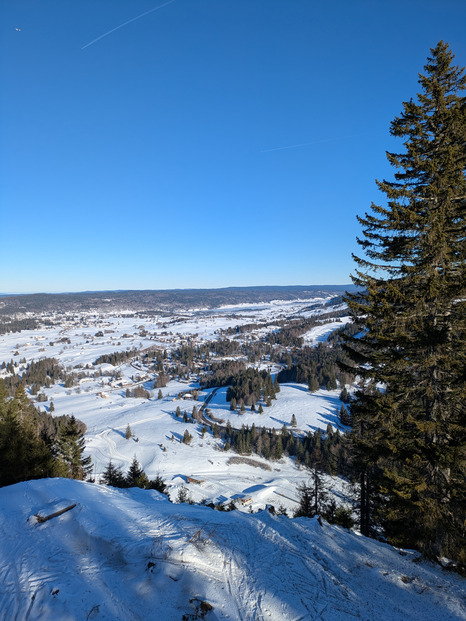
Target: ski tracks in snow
114, 454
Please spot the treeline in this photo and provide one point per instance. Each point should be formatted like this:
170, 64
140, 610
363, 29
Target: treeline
35, 445
223, 347
244, 328
338, 336
8, 325
135, 477
116, 358
318, 367
290, 333
139, 392
37, 374
222, 373
250, 385
329, 451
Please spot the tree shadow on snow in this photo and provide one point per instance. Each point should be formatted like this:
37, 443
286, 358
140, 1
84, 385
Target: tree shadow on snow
279, 420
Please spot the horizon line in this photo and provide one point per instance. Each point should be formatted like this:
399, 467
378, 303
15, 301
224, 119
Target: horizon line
90, 291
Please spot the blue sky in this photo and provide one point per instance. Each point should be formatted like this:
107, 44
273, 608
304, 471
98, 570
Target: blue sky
208, 143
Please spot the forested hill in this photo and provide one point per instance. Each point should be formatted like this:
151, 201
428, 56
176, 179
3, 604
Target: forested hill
162, 299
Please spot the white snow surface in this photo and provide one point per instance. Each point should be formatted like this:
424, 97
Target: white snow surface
101, 403
319, 334
131, 554
122, 555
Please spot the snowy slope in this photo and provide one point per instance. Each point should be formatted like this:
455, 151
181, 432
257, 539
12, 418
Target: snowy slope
131, 555
320, 333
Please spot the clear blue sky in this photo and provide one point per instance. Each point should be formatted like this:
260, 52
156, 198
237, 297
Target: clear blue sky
208, 143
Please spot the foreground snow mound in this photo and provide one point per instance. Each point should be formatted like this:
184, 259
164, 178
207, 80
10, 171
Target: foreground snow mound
131, 554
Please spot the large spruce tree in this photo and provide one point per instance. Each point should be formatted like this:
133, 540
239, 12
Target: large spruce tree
71, 446
24, 451
409, 415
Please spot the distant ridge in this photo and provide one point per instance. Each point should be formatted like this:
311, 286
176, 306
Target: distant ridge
162, 299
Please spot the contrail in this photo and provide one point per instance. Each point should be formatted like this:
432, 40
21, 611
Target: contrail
126, 23
306, 144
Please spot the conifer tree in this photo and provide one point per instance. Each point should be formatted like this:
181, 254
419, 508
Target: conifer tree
158, 484
313, 496
136, 476
183, 495
24, 454
409, 435
71, 446
113, 476
344, 416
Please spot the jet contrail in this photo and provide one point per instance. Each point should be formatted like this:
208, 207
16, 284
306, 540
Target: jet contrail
292, 146
126, 23
306, 144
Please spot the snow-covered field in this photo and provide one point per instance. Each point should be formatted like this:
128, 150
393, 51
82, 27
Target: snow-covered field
158, 433
103, 407
130, 554
122, 555
319, 334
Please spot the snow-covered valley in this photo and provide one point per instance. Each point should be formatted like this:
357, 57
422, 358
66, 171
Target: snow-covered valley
124, 554
100, 401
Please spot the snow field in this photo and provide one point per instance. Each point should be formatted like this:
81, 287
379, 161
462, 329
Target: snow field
131, 554
105, 410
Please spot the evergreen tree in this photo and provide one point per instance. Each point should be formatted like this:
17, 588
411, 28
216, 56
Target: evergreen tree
158, 484
128, 432
24, 453
278, 449
344, 416
183, 495
136, 476
312, 496
344, 395
294, 422
71, 446
306, 501
409, 436
113, 476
